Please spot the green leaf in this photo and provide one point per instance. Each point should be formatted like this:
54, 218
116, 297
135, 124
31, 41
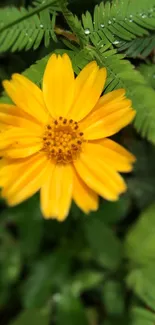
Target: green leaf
141, 316
140, 241
74, 23
26, 28
119, 321
105, 246
70, 311
10, 260
46, 275
85, 280
148, 71
32, 316
112, 212
113, 298
142, 282
141, 182
139, 47
116, 21
29, 218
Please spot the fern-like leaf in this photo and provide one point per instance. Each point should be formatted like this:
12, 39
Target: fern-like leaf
148, 71
74, 23
124, 20
141, 46
26, 28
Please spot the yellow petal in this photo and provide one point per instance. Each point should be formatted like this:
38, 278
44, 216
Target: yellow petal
9, 168
112, 97
89, 85
114, 155
23, 152
31, 188
27, 96
30, 87
105, 125
18, 136
114, 146
45, 194
101, 112
13, 120
14, 110
58, 85
58, 189
11, 115
99, 176
3, 162
84, 197
26, 179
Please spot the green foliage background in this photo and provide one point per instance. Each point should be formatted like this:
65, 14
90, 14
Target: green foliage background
97, 269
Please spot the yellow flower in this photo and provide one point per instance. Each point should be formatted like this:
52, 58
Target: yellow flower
55, 139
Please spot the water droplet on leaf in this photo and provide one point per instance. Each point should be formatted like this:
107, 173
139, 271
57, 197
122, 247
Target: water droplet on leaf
87, 31
116, 42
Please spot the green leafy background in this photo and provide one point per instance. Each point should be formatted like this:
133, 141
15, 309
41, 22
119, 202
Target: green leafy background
97, 269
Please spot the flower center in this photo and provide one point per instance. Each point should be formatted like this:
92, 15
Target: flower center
62, 140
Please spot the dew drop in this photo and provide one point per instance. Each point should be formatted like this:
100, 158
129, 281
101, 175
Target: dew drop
57, 297
130, 20
41, 25
144, 16
102, 25
125, 18
87, 31
116, 42
109, 22
114, 18
130, 16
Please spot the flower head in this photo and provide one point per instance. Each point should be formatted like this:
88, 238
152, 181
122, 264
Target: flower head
55, 139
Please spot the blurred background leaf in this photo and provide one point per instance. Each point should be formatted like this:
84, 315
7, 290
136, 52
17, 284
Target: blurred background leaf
106, 247
33, 316
140, 241
141, 316
70, 310
96, 269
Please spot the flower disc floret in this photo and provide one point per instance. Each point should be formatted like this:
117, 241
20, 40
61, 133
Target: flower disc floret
62, 140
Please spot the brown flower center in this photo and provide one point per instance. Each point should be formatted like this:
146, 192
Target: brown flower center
62, 140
